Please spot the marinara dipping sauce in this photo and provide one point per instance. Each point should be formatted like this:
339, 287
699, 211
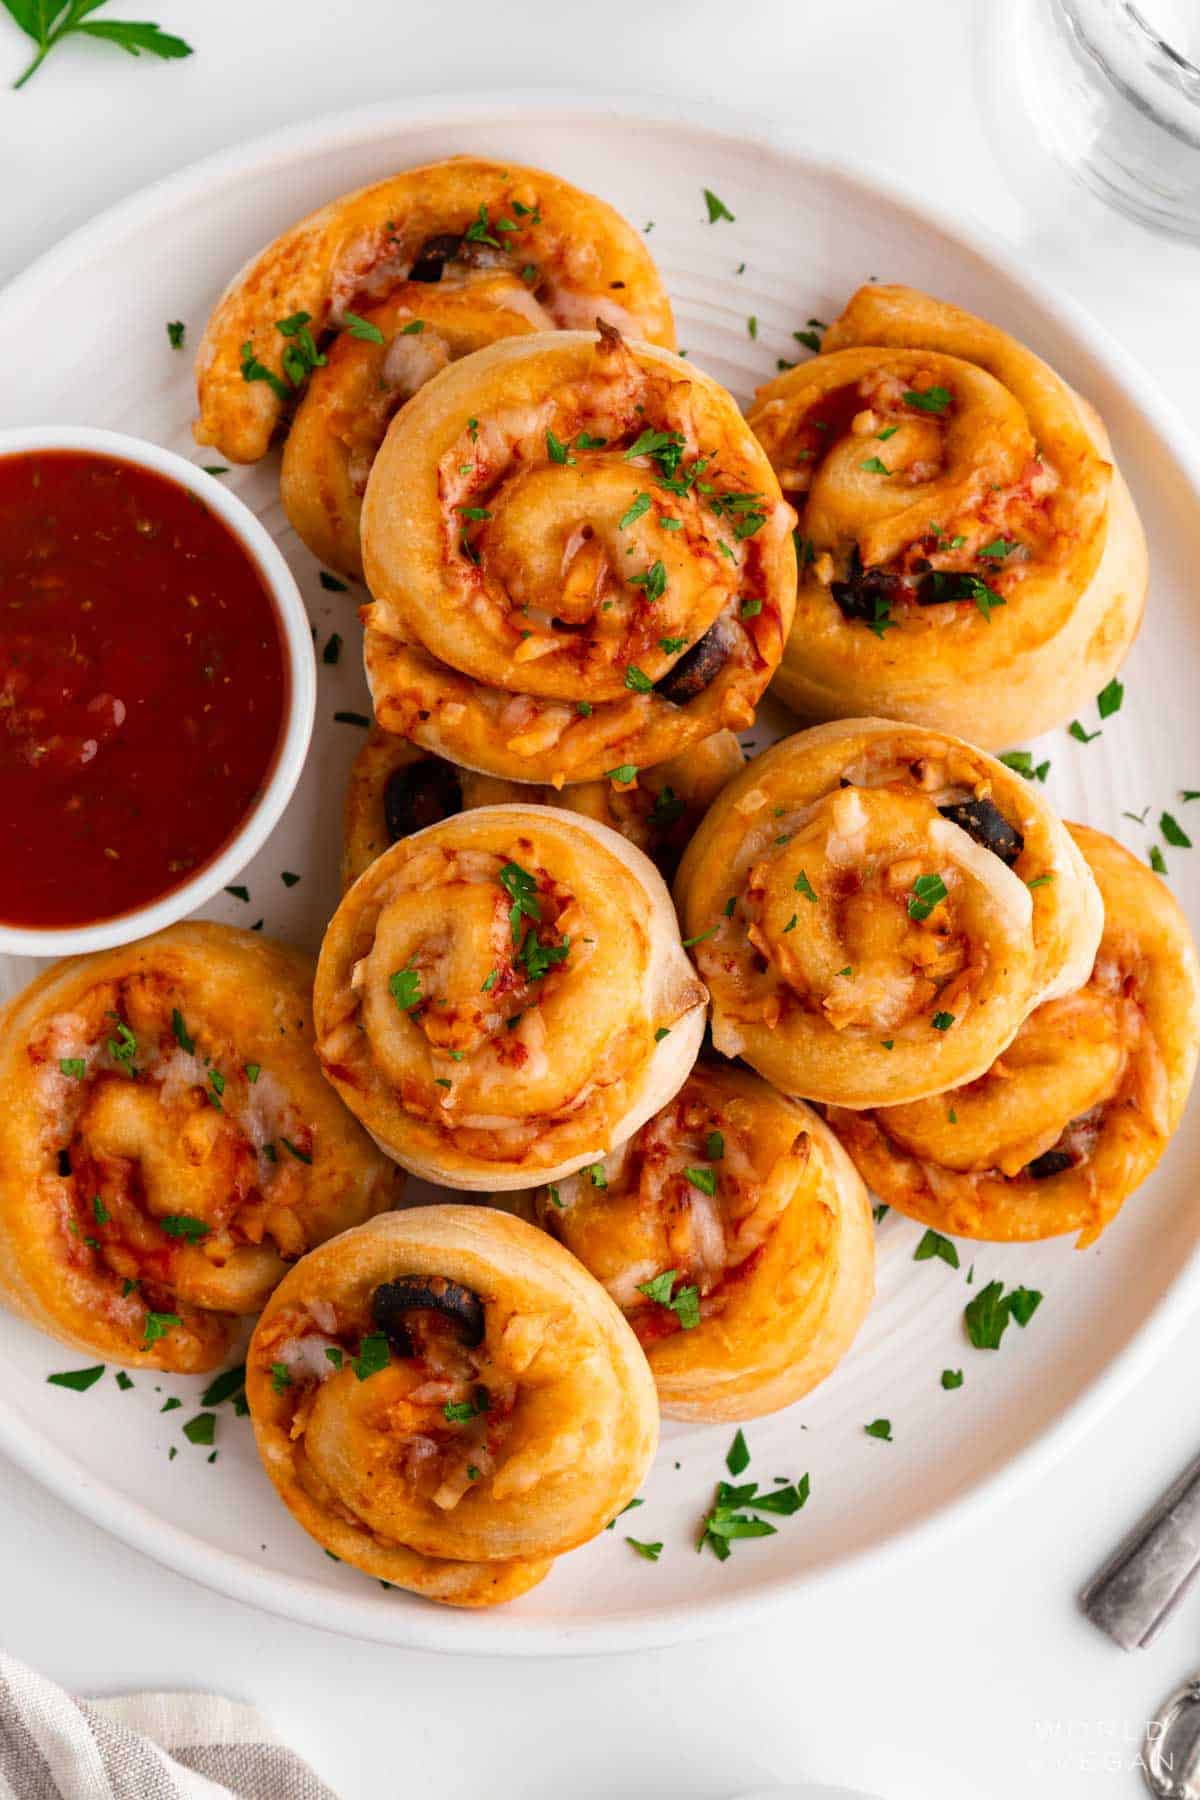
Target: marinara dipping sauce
143, 686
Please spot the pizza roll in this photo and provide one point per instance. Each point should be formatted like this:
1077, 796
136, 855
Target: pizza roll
876, 908
970, 555
580, 561
736, 1237
396, 789
168, 1146
1076, 1112
467, 245
446, 1400
502, 997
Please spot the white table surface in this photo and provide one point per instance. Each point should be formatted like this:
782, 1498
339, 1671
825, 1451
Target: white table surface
969, 1672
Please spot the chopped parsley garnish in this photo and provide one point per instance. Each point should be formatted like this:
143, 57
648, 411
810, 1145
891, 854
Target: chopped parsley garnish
374, 1353
230, 1384
671, 646
667, 810
730, 1515
889, 431
881, 619
538, 958
804, 886
331, 584
717, 209
124, 1382
1173, 832
100, 1212
489, 981
216, 1082
252, 1071
479, 231
201, 1429
809, 339
183, 1225
737, 1457
78, 1380
942, 1021
157, 1326
654, 581
333, 1354
952, 1378
880, 1428
638, 682
685, 1304
300, 1155
457, 1412
405, 988
943, 585
704, 1179
239, 893
585, 441
750, 609
874, 466
998, 549
556, 450
714, 1146
624, 773
477, 514
362, 328
1079, 734
651, 1552
281, 1377
928, 891
584, 708
521, 888
596, 1175
934, 1244
986, 1316
175, 331
1021, 763
932, 400
254, 370
186, 1043
1039, 881
1158, 861
640, 507
74, 1067
701, 937
414, 328
666, 447
123, 1047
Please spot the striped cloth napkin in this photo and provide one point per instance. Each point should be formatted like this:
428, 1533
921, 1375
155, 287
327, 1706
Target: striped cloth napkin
140, 1747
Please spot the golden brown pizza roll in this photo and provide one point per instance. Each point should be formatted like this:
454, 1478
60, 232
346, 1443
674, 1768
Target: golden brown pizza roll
579, 558
1079, 1108
467, 245
168, 1145
970, 556
396, 789
876, 908
447, 1400
735, 1236
503, 997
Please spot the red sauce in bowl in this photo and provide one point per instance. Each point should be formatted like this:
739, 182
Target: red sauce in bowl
143, 686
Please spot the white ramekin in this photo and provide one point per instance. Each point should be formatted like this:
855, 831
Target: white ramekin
296, 637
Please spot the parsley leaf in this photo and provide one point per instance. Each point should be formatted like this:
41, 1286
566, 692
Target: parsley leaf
641, 506
73, 1066
157, 1326
874, 466
928, 891
738, 1457
638, 682
804, 886
654, 581
685, 1304
405, 988
183, 1225
175, 327
952, 1378
933, 400
1079, 734
362, 328
521, 888
374, 1354
651, 1552
704, 1179
1173, 832
48, 22
880, 1428
556, 450
986, 1316
934, 1244
717, 209
78, 1380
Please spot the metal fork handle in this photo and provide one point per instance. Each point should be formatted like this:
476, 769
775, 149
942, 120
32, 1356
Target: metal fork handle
1134, 1594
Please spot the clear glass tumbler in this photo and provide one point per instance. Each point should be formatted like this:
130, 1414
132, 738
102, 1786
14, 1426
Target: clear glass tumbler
1114, 90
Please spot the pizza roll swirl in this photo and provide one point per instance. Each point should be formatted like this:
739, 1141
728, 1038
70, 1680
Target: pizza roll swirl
735, 1236
446, 1400
466, 238
970, 555
1076, 1112
579, 558
876, 908
168, 1146
396, 789
503, 997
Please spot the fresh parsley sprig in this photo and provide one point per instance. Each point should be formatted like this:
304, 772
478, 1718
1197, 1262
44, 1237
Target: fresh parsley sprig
48, 22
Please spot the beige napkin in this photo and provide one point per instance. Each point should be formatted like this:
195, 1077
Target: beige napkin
140, 1747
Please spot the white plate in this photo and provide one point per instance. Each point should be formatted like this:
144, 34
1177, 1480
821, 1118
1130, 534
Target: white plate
84, 341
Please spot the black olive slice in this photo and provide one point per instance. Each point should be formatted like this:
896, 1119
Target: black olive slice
988, 826
391, 1303
420, 794
433, 255
1050, 1162
858, 596
696, 668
